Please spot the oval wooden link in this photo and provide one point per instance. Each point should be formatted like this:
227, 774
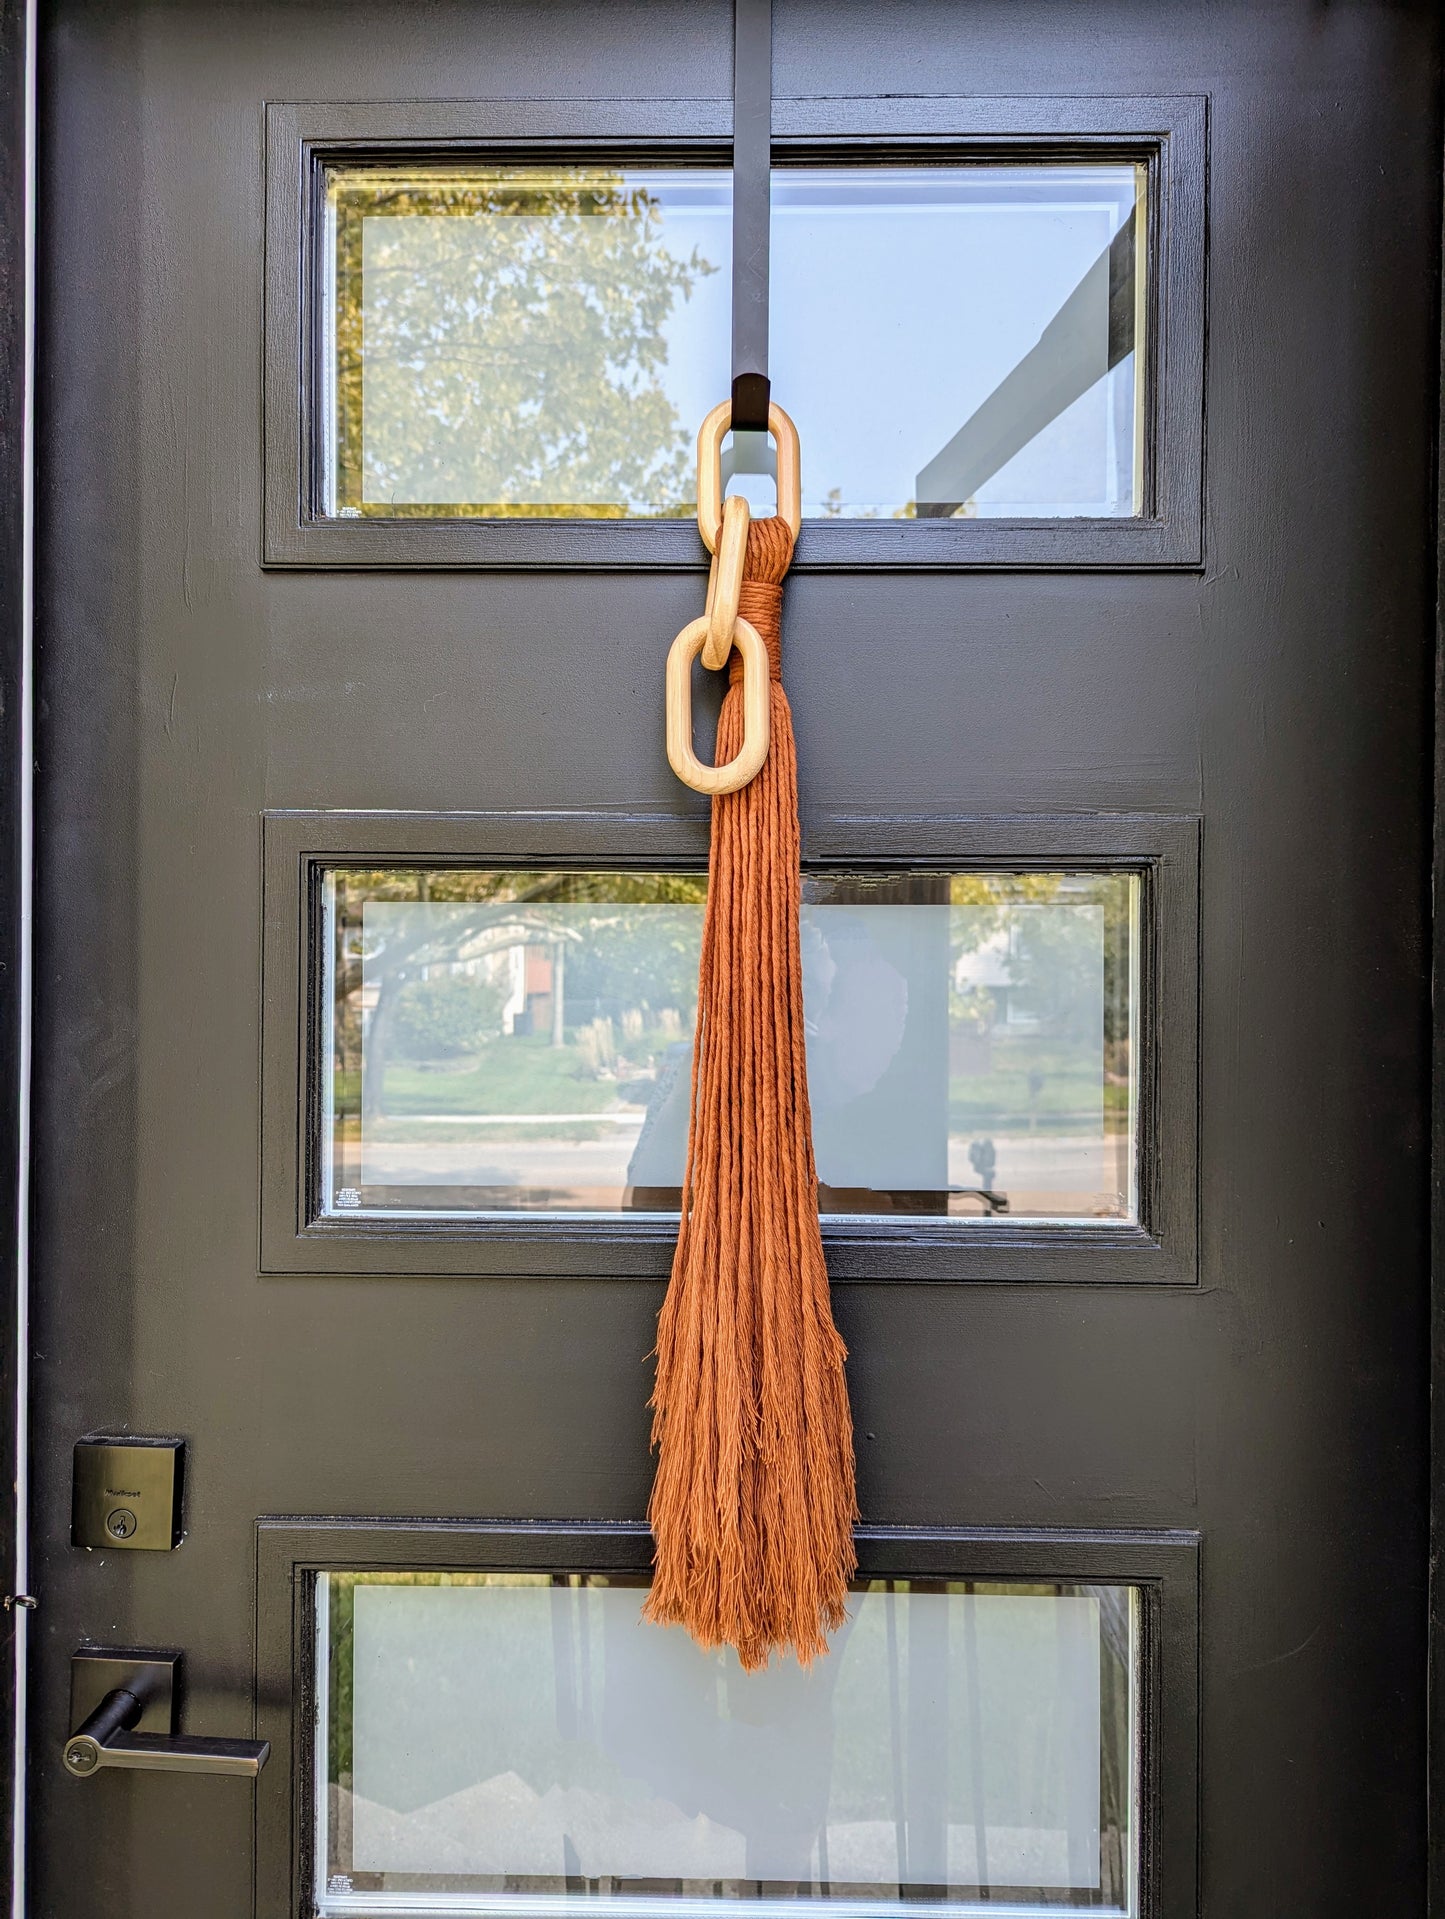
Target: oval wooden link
747, 763
724, 582
710, 436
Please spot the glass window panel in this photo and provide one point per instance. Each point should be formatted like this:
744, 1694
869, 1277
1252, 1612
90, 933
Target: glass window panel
524, 340
544, 340
501, 1742
506, 1041
960, 340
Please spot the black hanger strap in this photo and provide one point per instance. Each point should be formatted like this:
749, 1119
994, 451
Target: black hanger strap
752, 206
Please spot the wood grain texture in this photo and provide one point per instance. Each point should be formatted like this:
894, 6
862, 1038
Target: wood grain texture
710, 435
724, 581
746, 763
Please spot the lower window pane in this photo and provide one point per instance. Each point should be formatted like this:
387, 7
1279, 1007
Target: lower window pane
507, 1041
497, 1742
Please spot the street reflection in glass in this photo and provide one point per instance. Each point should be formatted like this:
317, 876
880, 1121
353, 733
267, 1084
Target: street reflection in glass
508, 1041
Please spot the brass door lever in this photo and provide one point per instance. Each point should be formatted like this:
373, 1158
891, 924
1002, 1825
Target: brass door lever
126, 1704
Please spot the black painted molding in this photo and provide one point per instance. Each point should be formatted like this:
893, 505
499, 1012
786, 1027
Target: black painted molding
1161, 1249
1167, 134
12, 468
1164, 1565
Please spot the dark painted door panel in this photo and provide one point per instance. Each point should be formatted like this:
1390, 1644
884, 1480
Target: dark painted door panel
1279, 695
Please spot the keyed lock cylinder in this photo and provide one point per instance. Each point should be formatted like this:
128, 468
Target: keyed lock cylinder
124, 1708
126, 1493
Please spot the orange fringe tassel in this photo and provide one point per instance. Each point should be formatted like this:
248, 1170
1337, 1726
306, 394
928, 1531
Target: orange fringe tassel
753, 1506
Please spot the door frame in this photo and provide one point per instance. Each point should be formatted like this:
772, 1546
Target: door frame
17, 282
1435, 1751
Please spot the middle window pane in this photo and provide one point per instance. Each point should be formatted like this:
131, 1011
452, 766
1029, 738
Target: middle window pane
505, 1041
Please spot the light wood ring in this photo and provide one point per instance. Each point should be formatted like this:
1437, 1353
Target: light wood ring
748, 762
710, 436
724, 582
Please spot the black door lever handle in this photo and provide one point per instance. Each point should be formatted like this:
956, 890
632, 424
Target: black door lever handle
142, 1694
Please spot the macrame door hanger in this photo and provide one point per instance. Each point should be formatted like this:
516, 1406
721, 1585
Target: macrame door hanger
753, 1505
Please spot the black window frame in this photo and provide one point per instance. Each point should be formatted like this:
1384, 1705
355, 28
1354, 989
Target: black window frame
1162, 1247
1167, 134
1162, 1564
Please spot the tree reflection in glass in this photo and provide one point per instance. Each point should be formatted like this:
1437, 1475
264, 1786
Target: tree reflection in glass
500, 337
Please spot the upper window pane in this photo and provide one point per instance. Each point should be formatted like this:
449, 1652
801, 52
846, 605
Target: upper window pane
505, 1041
524, 340
960, 340
542, 341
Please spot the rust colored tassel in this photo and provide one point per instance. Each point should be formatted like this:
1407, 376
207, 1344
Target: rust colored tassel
753, 1506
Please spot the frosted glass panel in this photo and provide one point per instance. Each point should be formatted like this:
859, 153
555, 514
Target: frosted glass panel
543, 340
507, 1041
511, 1741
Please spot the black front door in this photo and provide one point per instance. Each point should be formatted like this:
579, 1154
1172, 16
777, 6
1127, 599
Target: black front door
372, 345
